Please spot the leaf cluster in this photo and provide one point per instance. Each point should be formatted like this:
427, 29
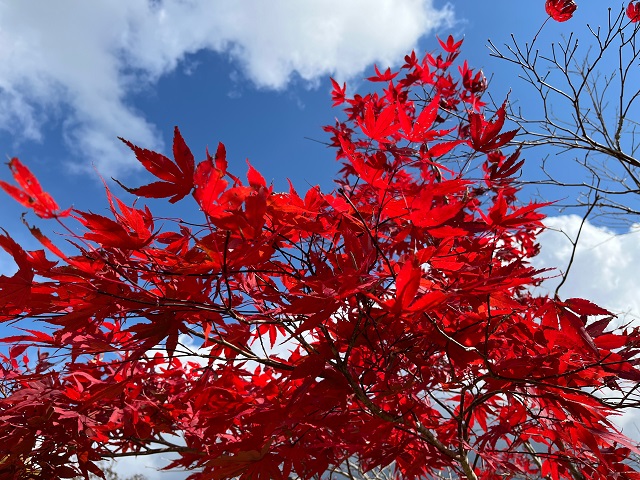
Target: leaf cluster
389, 321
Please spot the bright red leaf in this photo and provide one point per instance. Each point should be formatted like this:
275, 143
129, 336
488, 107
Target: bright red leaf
338, 93
387, 76
560, 10
177, 178
450, 46
30, 193
379, 126
486, 136
633, 11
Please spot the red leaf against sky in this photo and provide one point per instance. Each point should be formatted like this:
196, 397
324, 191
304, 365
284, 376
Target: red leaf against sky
585, 307
254, 177
110, 233
30, 193
633, 11
485, 135
379, 127
177, 178
15, 291
209, 180
450, 46
382, 77
474, 81
420, 130
560, 10
338, 93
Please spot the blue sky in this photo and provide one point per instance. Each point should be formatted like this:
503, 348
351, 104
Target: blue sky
254, 75
70, 84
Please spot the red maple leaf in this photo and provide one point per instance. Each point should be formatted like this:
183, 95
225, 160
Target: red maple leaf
420, 131
633, 11
485, 135
387, 76
560, 10
379, 127
30, 193
451, 45
176, 178
338, 92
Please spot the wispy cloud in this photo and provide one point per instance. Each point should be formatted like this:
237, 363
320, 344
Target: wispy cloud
605, 271
76, 62
605, 266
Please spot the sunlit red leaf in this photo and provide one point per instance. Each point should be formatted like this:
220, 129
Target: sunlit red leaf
382, 77
177, 178
209, 183
30, 193
111, 233
15, 291
585, 307
633, 11
560, 10
485, 135
420, 131
450, 46
379, 127
338, 93
255, 179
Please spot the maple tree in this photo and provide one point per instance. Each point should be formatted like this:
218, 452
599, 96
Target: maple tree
390, 321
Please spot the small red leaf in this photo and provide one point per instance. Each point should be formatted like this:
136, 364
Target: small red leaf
407, 283
255, 179
382, 77
485, 135
178, 177
633, 12
585, 307
30, 193
17, 350
560, 10
338, 93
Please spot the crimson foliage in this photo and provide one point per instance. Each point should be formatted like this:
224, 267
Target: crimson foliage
390, 320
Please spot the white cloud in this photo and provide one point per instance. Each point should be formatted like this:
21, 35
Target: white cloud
86, 57
605, 271
605, 267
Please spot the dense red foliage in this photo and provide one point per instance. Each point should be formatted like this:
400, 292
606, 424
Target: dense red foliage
390, 320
